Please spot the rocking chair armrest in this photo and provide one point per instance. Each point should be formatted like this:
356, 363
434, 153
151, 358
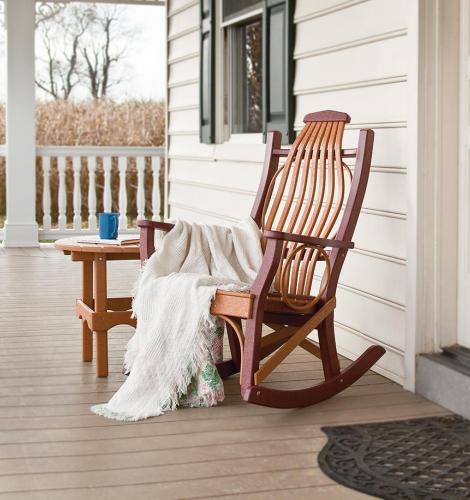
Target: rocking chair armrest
147, 236
153, 224
308, 240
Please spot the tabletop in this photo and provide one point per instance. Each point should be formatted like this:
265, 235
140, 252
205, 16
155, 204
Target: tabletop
72, 245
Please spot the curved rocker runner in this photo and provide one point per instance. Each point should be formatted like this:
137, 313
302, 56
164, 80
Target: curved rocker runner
307, 209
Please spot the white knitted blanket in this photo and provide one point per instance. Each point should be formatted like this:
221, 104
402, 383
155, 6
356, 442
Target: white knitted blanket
172, 355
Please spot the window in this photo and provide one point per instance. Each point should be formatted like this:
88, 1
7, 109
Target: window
258, 57
246, 78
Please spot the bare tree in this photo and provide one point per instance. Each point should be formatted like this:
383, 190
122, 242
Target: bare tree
81, 45
46, 11
61, 34
104, 50
61, 70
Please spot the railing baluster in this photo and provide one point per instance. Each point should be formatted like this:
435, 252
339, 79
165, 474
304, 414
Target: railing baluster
77, 194
140, 187
62, 195
46, 193
91, 161
122, 193
156, 187
69, 171
107, 200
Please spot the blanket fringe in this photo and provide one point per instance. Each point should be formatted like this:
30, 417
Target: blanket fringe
181, 384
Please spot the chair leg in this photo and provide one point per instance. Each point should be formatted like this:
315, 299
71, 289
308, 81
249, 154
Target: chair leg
100, 296
329, 355
101, 353
87, 342
251, 352
234, 345
87, 297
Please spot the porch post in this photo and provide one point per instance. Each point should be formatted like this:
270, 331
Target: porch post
21, 228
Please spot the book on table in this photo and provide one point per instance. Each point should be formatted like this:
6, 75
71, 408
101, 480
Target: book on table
128, 239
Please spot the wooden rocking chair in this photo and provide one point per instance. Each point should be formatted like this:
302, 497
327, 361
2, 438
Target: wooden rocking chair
303, 209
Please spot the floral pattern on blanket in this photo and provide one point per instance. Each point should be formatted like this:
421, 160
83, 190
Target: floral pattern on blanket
206, 387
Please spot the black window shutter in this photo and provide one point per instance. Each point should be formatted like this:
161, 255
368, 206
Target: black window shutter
278, 67
206, 72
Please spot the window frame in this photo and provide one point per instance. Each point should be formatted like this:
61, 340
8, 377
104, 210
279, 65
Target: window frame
284, 121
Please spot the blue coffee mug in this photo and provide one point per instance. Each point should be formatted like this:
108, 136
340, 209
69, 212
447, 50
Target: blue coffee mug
108, 223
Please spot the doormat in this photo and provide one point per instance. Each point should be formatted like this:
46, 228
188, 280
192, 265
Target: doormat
425, 458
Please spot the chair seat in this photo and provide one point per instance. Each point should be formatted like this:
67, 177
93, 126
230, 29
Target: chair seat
236, 304
240, 304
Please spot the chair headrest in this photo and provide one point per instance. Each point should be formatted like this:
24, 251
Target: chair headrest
327, 116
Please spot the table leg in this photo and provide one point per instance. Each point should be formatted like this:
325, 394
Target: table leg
100, 296
87, 297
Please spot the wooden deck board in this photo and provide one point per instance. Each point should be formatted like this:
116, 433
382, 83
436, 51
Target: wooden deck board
53, 447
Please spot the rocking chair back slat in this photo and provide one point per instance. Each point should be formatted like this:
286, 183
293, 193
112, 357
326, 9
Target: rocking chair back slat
305, 196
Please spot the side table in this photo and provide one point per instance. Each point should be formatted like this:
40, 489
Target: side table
97, 311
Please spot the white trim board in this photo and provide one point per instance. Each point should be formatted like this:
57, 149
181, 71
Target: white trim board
463, 332
432, 179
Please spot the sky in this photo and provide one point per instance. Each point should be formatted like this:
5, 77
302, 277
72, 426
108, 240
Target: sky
148, 66
144, 69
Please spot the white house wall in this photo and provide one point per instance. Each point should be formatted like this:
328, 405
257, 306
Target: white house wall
350, 56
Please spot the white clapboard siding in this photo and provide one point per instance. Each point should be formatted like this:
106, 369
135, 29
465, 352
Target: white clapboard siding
351, 56
390, 144
176, 6
233, 151
178, 48
386, 190
374, 318
189, 147
185, 95
183, 21
383, 234
183, 70
305, 9
370, 273
184, 119
353, 343
354, 24
180, 210
374, 104
346, 68
233, 205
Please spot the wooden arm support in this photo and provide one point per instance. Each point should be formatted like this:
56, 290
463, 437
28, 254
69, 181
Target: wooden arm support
308, 240
153, 224
147, 236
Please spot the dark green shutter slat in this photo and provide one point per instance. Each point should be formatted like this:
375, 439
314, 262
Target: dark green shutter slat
206, 72
279, 68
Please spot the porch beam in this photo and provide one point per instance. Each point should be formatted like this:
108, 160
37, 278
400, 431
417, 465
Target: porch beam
21, 229
124, 2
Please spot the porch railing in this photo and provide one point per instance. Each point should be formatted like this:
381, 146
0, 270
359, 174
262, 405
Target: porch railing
76, 182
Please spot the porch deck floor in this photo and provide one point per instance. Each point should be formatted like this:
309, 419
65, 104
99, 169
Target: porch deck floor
53, 447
